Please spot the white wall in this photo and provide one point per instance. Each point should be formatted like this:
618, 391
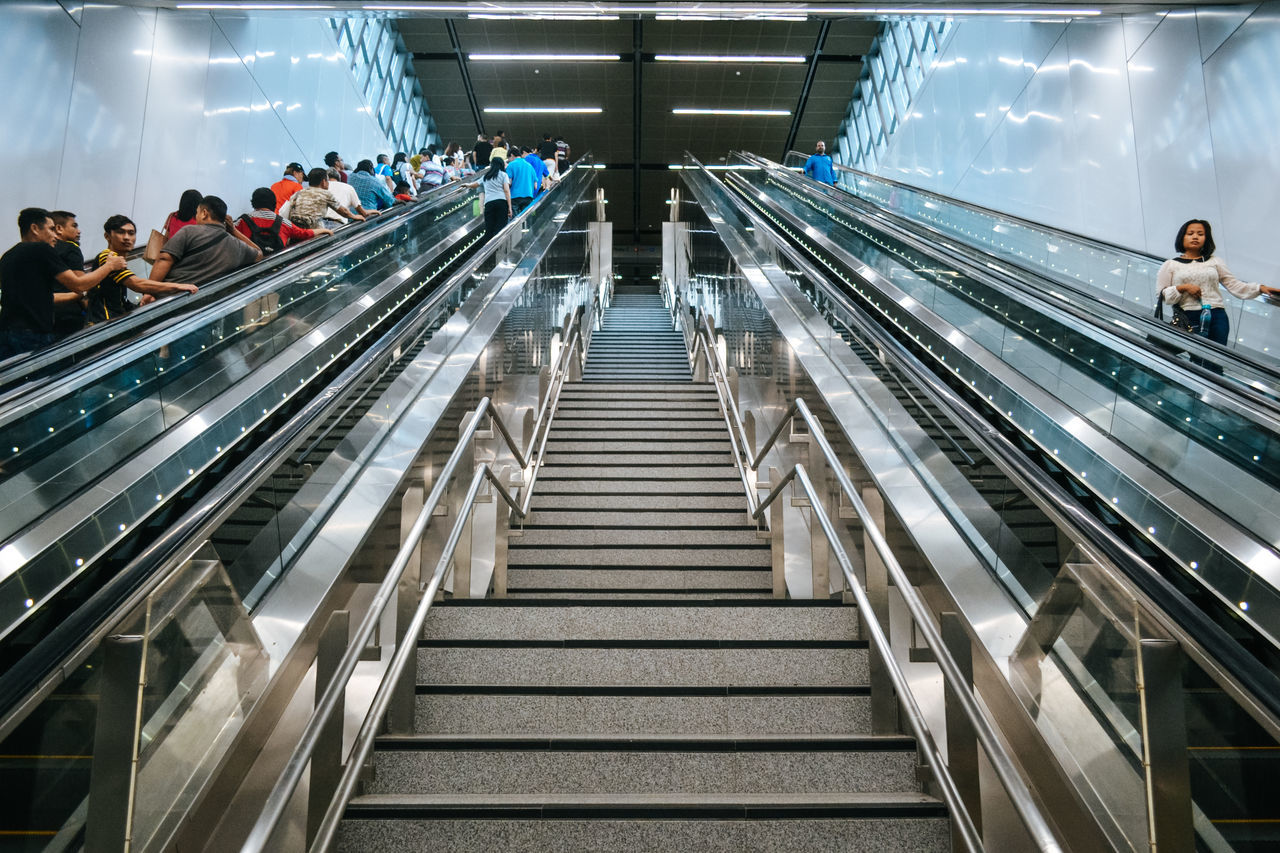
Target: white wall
120, 109
1119, 129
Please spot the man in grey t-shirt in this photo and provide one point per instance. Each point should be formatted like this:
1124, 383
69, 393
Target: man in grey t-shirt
212, 249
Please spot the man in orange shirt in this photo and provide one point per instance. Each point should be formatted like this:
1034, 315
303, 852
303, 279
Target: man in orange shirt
284, 188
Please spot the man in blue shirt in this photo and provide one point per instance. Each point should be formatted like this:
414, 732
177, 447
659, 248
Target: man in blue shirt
372, 190
523, 181
542, 177
819, 166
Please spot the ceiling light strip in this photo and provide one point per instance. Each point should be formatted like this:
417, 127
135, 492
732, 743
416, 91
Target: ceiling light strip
543, 109
697, 111
672, 57
609, 11
544, 57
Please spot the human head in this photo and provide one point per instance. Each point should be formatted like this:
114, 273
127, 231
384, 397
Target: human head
211, 211
422, 152
335, 175
431, 150
480, 137
64, 222
399, 158
821, 147
382, 158
187, 205
295, 170
1206, 248
263, 199
333, 161
365, 166
35, 224
452, 148
546, 137
121, 233
402, 188
318, 177
496, 165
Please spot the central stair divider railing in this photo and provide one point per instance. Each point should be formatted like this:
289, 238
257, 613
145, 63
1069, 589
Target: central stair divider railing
319, 746
960, 694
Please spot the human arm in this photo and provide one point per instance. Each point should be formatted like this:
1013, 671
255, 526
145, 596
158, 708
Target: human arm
506, 190
1238, 288
347, 214
147, 287
1170, 293
83, 282
235, 232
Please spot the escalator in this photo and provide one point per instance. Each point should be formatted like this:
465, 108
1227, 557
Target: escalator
244, 423
1041, 528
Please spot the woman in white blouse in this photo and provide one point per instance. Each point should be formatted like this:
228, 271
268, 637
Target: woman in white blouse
1196, 277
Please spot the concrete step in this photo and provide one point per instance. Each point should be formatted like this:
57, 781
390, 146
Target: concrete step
592, 579
641, 711
453, 764
642, 539
777, 622
654, 824
571, 483
621, 439
565, 596
645, 471
709, 422
700, 443
653, 519
647, 408
682, 389
637, 503
741, 555
717, 459
688, 664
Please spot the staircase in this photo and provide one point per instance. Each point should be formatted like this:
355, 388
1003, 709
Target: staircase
639, 689
635, 342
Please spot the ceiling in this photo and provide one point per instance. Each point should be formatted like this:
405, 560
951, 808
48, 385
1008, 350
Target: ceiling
637, 141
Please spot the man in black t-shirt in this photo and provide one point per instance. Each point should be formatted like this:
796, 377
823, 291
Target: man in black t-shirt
30, 273
480, 153
68, 306
547, 154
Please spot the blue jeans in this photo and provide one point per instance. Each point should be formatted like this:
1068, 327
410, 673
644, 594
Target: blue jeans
1219, 325
16, 341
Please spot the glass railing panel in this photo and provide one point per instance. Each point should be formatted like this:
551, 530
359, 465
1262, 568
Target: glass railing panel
129, 410
1127, 397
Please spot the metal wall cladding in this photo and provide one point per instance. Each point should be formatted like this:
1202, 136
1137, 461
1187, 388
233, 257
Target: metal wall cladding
1119, 129
120, 109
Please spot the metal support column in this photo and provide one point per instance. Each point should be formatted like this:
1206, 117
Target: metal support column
115, 746
326, 762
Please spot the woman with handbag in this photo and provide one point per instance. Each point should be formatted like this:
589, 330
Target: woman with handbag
173, 223
1192, 283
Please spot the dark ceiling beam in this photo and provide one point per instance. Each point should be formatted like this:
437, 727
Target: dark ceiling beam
466, 75
637, 42
804, 91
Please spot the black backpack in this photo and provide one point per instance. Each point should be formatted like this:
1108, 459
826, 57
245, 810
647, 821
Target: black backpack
267, 239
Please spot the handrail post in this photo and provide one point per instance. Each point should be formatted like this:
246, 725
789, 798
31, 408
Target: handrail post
501, 528
884, 704
109, 820
962, 740
777, 528
408, 592
326, 761
1164, 738
461, 586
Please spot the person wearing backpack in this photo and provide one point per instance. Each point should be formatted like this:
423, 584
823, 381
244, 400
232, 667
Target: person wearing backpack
269, 231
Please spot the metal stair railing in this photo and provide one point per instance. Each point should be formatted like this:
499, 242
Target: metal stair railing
961, 690
317, 748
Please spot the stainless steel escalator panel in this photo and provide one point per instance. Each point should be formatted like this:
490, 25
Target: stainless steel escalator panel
1207, 539
154, 457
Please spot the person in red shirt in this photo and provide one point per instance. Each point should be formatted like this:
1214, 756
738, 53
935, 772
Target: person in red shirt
184, 215
269, 231
294, 175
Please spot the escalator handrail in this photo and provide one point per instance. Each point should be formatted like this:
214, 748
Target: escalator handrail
1221, 657
152, 321
1115, 325
73, 639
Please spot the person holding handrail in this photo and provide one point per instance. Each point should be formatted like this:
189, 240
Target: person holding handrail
1193, 281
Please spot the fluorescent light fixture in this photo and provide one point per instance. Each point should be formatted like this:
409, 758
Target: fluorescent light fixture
256, 6
672, 57
692, 111
544, 57
543, 109
611, 11
481, 16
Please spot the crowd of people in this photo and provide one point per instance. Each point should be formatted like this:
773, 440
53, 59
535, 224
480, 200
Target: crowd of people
48, 291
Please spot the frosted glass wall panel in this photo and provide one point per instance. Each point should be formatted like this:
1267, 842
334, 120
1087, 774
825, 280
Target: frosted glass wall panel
124, 108
1119, 129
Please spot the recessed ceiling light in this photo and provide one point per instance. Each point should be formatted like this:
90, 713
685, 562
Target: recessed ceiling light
484, 16
692, 111
543, 109
544, 57
669, 57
